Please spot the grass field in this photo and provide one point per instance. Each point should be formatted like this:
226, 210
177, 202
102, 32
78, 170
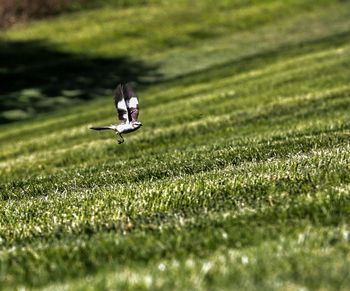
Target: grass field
239, 178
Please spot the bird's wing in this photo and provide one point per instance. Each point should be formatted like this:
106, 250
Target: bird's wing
120, 104
132, 102
129, 91
102, 127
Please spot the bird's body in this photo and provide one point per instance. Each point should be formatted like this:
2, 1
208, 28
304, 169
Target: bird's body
119, 128
128, 127
126, 103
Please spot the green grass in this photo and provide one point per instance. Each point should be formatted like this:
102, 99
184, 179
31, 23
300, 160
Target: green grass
239, 178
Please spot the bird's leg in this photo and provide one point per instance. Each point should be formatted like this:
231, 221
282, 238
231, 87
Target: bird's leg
120, 139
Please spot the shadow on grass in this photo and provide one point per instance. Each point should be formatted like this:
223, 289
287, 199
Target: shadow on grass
35, 77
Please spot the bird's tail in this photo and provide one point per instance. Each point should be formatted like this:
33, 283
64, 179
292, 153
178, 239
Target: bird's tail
102, 127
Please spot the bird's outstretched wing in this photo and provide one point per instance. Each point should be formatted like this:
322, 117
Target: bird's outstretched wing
132, 102
129, 91
102, 127
120, 104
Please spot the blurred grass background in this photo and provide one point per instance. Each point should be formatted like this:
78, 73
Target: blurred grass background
239, 178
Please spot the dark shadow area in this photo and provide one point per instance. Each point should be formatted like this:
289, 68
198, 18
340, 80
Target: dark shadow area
35, 77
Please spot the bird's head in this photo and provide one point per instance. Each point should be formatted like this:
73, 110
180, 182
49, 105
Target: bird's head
136, 124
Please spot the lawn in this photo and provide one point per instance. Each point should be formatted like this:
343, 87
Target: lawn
239, 178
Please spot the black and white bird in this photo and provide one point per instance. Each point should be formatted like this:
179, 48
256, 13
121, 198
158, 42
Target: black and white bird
127, 106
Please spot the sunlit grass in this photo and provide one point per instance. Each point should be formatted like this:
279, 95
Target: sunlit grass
239, 178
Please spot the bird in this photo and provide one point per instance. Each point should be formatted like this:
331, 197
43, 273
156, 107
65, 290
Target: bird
127, 106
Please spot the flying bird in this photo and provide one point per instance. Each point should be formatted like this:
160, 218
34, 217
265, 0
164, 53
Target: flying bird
127, 106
